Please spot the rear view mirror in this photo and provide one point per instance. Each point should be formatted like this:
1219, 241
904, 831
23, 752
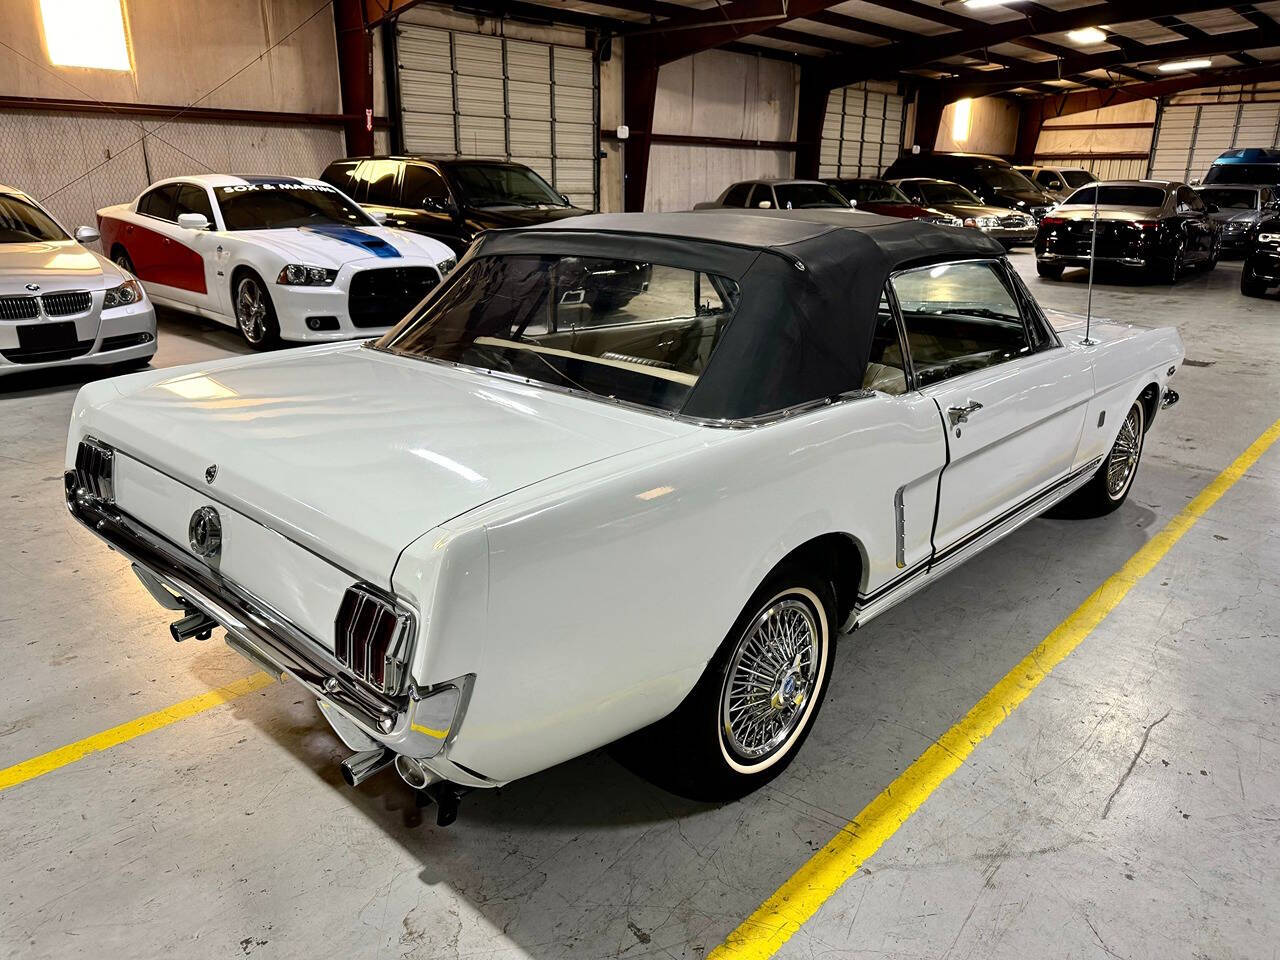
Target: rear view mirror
87, 235
193, 221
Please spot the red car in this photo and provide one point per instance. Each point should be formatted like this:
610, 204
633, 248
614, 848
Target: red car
882, 197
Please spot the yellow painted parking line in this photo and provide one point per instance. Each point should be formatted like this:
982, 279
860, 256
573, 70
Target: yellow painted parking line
54, 759
763, 933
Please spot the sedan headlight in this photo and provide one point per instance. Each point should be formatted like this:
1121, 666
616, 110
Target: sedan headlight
301, 275
128, 292
447, 264
1269, 238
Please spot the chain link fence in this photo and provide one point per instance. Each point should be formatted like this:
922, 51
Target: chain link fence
77, 163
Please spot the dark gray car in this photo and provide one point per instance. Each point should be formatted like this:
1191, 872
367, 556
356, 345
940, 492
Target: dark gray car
1240, 210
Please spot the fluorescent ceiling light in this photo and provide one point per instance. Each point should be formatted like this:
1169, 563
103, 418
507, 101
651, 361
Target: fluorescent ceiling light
1179, 66
979, 4
1086, 36
960, 118
85, 33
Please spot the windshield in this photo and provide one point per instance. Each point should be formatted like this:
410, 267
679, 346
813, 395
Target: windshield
621, 329
946, 193
21, 221
872, 191
1231, 199
502, 185
1005, 178
1118, 196
805, 196
1077, 178
267, 206
1268, 173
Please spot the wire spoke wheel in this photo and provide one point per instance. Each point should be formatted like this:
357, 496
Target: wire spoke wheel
251, 310
771, 678
1123, 460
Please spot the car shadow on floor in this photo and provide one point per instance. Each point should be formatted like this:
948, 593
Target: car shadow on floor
551, 860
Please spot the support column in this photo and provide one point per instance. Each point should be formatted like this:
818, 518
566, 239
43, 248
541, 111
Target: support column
355, 74
929, 104
1030, 122
639, 90
811, 115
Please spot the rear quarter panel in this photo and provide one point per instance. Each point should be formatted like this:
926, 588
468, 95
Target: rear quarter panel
608, 589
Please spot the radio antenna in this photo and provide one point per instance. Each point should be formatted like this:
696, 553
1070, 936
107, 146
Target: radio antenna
1093, 246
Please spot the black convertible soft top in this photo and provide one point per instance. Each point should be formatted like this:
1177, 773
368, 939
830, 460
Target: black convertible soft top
811, 282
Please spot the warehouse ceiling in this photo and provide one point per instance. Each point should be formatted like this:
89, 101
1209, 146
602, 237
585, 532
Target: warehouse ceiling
970, 47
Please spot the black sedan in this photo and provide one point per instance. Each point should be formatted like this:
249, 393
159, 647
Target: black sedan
1158, 227
1262, 263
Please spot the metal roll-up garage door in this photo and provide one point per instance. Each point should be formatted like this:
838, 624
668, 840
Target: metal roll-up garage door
1192, 134
475, 95
862, 133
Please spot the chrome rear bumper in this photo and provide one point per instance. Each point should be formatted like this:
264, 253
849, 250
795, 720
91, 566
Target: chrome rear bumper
418, 723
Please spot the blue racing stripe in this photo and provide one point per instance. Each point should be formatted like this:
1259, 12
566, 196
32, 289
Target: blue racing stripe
375, 245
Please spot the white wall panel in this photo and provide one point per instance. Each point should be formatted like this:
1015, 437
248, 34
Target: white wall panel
680, 176
719, 94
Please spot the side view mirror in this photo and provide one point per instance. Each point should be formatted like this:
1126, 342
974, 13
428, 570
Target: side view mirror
193, 221
1055, 184
853, 203
765, 205
1211, 207
1194, 182
567, 201
379, 216
87, 235
438, 205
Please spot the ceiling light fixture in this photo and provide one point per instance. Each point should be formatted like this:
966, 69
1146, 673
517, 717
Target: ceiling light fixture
1180, 66
979, 4
1086, 36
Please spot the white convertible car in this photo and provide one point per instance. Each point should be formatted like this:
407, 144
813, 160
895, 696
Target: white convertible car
61, 304
277, 257
518, 527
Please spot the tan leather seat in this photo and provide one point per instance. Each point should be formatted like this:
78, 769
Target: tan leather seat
885, 378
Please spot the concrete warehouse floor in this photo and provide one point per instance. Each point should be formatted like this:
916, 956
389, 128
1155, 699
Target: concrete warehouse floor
1082, 828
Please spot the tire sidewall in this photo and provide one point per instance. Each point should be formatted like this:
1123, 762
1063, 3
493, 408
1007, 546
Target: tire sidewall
779, 754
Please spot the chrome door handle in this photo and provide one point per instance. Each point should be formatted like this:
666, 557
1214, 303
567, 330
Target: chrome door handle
961, 414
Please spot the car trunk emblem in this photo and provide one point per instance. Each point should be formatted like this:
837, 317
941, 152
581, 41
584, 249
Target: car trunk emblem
205, 533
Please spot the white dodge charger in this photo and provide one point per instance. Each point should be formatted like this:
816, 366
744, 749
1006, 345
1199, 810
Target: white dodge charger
280, 258
61, 304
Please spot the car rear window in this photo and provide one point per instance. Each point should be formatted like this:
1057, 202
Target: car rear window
619, 329
1119, 196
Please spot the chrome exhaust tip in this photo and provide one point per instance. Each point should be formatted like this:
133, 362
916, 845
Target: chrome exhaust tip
359, 767
194, 624
414, 773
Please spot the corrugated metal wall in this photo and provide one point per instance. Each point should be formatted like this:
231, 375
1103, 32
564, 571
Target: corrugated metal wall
483, 95
1197, 126
1104, 168
863, 130
719, 94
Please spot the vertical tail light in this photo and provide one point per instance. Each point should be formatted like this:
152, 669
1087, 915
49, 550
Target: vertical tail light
95, 469
371, 638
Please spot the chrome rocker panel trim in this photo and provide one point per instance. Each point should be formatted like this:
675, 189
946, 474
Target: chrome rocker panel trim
420, 723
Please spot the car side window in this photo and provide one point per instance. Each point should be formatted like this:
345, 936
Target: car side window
1188, 201
737, 195
160, 202
342, 175
424, 188
761, 193
912, 192
959, 317
193, 199
886, 370
383, 178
